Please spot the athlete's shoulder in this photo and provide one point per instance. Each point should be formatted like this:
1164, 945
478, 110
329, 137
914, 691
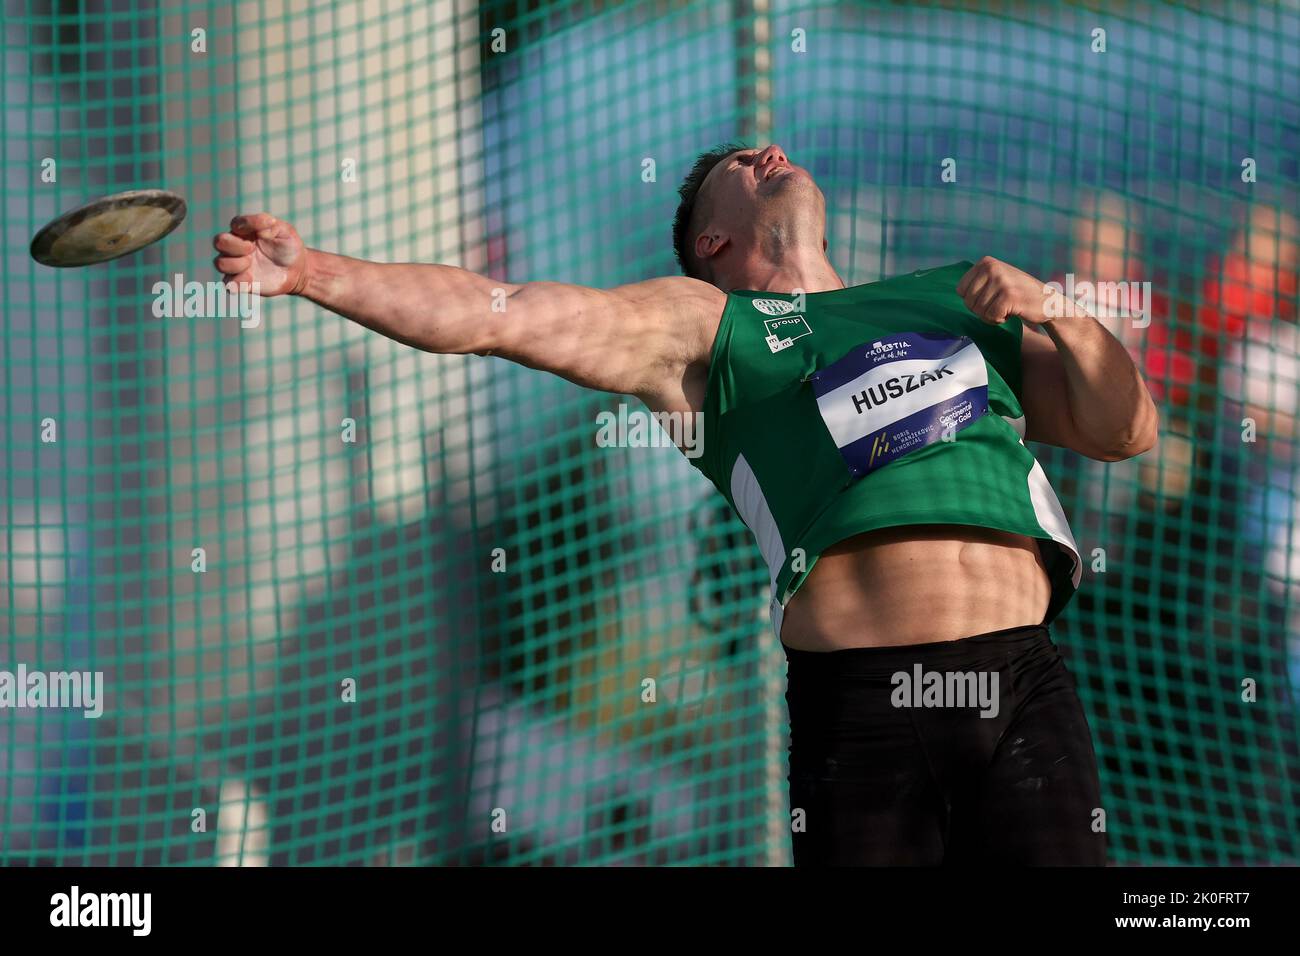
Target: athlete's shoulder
679, 295
682, 313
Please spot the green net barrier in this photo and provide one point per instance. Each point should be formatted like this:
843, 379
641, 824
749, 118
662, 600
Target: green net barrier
356, 604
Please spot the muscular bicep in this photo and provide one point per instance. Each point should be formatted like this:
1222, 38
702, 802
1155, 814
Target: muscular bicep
1043, 392
633, 339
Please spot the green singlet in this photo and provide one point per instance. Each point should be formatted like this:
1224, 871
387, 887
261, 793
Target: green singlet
829, 414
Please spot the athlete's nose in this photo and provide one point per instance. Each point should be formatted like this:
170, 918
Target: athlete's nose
772, 155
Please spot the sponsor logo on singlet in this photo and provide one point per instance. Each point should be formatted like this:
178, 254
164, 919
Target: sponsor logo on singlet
900, 393
785, 327
774, 306
781, 333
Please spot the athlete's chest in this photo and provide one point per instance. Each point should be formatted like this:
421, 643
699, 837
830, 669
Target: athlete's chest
769, 351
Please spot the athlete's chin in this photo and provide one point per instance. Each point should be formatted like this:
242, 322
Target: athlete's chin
791, 189
783, 184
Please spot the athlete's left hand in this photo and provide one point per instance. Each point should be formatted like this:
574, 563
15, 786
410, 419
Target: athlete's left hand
994, 290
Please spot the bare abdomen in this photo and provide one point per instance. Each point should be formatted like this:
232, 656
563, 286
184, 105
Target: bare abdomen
916, 585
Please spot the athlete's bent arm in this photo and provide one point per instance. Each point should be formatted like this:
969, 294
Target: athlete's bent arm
1080, 388
645, 339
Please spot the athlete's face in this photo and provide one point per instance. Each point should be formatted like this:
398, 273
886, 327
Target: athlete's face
756, 182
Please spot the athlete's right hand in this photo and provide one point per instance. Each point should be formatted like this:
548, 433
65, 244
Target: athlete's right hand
260, 248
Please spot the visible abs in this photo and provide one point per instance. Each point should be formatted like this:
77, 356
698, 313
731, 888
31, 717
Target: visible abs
916, 585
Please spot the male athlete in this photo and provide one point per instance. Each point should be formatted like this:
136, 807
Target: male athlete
871, 438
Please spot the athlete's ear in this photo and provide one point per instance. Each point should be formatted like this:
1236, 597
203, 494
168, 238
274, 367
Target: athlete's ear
709, 244
825, 244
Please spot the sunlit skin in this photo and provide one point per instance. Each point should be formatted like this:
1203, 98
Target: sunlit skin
763, 225
760, 224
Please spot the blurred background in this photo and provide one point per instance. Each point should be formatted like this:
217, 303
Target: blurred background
1141, 142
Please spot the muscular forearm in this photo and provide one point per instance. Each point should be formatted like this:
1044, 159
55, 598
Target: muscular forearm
432, 307
1108, 400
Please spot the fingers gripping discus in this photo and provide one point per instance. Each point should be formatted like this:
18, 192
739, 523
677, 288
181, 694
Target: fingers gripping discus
108, 228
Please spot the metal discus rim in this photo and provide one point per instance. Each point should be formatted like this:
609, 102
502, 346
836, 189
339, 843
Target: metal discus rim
112, 242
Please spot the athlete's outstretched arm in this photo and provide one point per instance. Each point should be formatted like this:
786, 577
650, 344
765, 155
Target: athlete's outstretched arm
639, 339
1081, 389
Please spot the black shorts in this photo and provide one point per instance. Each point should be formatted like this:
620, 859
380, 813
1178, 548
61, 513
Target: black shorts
882, 783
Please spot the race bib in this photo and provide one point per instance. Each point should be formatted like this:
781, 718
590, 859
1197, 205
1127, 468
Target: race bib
899, 393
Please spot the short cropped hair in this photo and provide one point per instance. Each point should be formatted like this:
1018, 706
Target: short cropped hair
689, 190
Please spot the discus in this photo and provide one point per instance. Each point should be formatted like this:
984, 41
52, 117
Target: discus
108, 228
